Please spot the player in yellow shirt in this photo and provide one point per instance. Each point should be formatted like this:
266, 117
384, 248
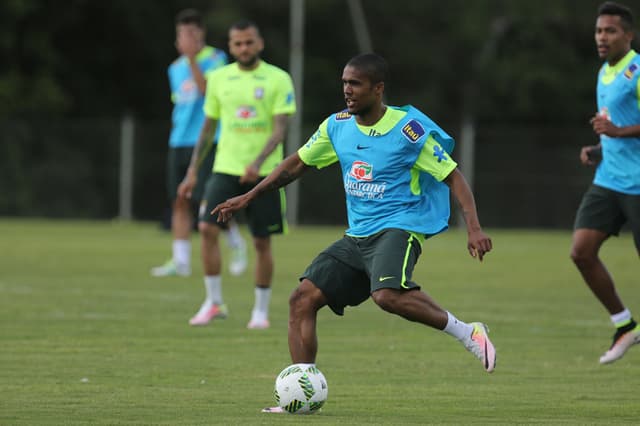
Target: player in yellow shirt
252, 100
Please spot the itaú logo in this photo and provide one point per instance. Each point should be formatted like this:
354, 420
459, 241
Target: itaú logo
361, 171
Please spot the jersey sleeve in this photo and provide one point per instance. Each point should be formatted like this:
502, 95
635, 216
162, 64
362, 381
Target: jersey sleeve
284, 102
216, 60
433, 159
318, 151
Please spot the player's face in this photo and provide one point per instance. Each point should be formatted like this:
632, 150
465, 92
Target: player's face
359, 94
245, 46
189, 38
612, 41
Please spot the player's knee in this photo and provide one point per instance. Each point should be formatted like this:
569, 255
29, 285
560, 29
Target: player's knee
582, 258
305, 298
207, 230
386, 299
262, 245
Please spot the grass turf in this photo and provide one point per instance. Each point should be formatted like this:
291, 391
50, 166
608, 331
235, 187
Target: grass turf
88, 337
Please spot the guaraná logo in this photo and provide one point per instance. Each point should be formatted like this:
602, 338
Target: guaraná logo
246, 111
361, 170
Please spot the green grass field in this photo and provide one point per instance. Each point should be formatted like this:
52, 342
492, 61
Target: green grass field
88, 337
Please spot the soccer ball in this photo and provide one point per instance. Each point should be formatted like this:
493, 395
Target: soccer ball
301, 389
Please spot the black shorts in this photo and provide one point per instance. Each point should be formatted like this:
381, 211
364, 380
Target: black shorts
265, 214
178, 160
605, 210
352, 268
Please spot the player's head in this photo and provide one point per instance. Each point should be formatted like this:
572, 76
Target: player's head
614, 31
363, 81
245, 43
189, 24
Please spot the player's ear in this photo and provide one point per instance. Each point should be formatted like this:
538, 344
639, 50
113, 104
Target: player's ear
379, 88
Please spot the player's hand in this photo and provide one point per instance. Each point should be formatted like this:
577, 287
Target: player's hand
603, 126
187, 43
251, 174
226, 209
185, 189
590, 155
479, 244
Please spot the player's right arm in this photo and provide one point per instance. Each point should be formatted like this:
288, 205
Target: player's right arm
191, 178
317, 152
290, 169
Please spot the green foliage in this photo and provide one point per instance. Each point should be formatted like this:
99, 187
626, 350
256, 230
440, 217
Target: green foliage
101, 58
88, 337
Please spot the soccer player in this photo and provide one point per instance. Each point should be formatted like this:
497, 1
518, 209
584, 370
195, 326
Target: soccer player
188, 83
397, 174
252, 101
614, 196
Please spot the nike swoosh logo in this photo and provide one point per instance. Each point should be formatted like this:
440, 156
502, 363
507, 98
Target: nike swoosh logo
385, 278
362, 147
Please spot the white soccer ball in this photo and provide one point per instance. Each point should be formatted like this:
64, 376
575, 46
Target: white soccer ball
301, 389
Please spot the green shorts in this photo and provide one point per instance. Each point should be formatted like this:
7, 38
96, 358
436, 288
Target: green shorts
607, 211
265, 214
352, 268
178, 160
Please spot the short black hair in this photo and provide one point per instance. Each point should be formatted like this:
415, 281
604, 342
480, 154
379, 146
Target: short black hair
189, 16
617, 9
373, 65
244, 24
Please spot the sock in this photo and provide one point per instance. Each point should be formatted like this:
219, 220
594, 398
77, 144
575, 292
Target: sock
621, 318
234, 238
261, 307
182, 252
305, 365
213, 287
456, 328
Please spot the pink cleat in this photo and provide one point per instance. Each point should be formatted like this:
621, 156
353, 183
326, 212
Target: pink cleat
278, 410
480, 345
206, 314
621, 342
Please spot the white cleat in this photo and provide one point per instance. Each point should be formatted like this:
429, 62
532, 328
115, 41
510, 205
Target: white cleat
258, 324
170, 269
620, 345
478, 343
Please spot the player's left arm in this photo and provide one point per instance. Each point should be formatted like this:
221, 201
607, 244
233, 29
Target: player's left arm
478, 242
433, 159
280, 122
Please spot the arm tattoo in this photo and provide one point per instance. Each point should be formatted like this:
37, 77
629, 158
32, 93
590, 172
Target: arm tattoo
284, 178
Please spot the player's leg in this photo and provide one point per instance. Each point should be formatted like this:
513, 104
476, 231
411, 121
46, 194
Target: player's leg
390, 256
266, 217
600, 215
585, 248
627, 330
304, 303
217, 189
263, 276
181, 217
333, 278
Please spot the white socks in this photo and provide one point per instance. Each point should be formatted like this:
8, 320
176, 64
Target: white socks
234, 238
213, 287
182, 252
261, 307
456, 328
621, 318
